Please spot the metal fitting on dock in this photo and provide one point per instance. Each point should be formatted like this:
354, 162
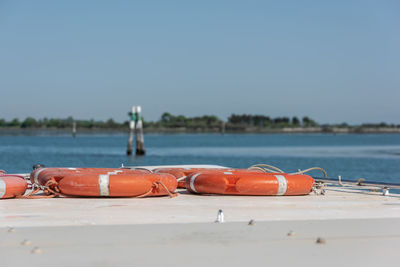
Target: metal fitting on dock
220, 217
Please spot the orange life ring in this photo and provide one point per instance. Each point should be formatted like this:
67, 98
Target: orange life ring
181, 173
43, 175
12, 185
249, 183
114, 184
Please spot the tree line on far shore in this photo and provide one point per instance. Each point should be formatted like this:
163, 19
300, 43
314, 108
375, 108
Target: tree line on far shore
30, 122
167, 120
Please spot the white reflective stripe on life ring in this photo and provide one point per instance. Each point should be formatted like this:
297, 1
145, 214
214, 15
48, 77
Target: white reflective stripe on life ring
2, 188
181, 179
192, 179
104, 183
282, 183
35, 178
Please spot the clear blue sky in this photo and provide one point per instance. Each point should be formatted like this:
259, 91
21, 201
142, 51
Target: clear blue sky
334, 61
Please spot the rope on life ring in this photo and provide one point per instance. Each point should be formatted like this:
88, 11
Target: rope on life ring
266, 168
170, 194
47, 189
273, 169
50, 189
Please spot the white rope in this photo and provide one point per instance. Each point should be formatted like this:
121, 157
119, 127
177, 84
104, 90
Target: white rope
312, 169
267, 167
273, 169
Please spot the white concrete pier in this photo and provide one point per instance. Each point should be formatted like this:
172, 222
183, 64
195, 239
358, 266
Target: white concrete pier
356, 229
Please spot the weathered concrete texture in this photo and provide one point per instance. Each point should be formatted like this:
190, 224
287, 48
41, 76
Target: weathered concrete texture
354, 229
356, 242
188, 208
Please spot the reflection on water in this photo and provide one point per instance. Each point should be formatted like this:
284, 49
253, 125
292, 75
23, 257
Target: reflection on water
375, 157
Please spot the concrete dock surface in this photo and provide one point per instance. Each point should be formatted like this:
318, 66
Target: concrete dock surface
341, 228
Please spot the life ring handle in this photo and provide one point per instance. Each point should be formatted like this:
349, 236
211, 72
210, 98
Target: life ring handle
273, 169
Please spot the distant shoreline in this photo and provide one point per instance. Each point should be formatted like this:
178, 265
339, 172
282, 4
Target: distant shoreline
168, 123
180, 130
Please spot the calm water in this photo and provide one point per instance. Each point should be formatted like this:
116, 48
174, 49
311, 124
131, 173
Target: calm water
374, 157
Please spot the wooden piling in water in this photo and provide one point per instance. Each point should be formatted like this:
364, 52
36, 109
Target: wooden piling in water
136, 127
140, 150
131, 131
130, 141
74, 129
